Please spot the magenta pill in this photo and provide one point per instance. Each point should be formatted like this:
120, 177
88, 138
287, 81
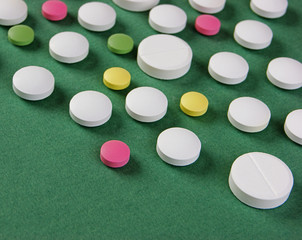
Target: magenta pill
115, 153
54, 10
207, 25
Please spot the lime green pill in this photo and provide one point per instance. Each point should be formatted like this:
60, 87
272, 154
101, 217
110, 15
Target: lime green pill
21, 35
120, 43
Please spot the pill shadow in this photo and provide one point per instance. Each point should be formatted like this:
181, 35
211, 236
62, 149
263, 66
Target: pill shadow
68, 21
291, 16
91, 62
132, 168
203, 166
228, 13
57, 101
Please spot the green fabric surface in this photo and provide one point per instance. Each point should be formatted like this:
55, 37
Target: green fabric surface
53, 184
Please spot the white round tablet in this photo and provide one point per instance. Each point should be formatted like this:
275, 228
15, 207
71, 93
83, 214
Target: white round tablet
90, 108
178, 146
33, 83
96, 16
249, 114
253, 34
164, 56
208, 6
260, 180
167, 18
293, 126
269, 8
68, 47
136, 5
228, 68
285, 73
146, 104
12, 12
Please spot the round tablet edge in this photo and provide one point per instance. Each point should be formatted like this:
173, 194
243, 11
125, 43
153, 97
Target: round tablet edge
144, 119
225, 80
36, 97
266, 14
89, 123
291, 135
68, 60
249, 45
244, 128
282, 85
94, 28
205, 9
167, 30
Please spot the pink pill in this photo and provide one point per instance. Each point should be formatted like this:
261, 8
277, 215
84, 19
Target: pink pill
115, 153
207, 25
54, 10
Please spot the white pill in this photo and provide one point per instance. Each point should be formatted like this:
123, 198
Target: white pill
68, 47
249, 114
12, 12
293, 126
269, 8
164, 56
136, 5
96, 16
178, 146
260, 180
228, 68
208, 6
146, 104
167, 18
253, 34
33, 83
90, 108
285, 73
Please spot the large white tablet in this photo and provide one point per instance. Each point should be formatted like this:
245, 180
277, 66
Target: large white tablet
228, 68
178, 146
249, 114
136, 5
33, 83
146, 104
68, 47
285, 73
164, 56
253, 34
208, 6
96, 16
260, 180
293, 126
167, 18
90, 108
269, 8
12, 12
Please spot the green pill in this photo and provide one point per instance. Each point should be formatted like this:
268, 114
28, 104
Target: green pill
21, 35
120, 43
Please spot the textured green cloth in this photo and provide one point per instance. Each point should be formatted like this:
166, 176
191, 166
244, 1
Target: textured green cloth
53, 184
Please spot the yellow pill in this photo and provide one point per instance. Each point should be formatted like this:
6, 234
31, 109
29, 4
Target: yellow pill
116, 78
194, 104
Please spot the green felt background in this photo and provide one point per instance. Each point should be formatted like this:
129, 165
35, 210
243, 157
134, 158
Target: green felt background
53, 184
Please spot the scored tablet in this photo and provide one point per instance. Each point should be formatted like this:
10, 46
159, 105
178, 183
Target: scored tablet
96, 16
260, 180
167, 18
33, 83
